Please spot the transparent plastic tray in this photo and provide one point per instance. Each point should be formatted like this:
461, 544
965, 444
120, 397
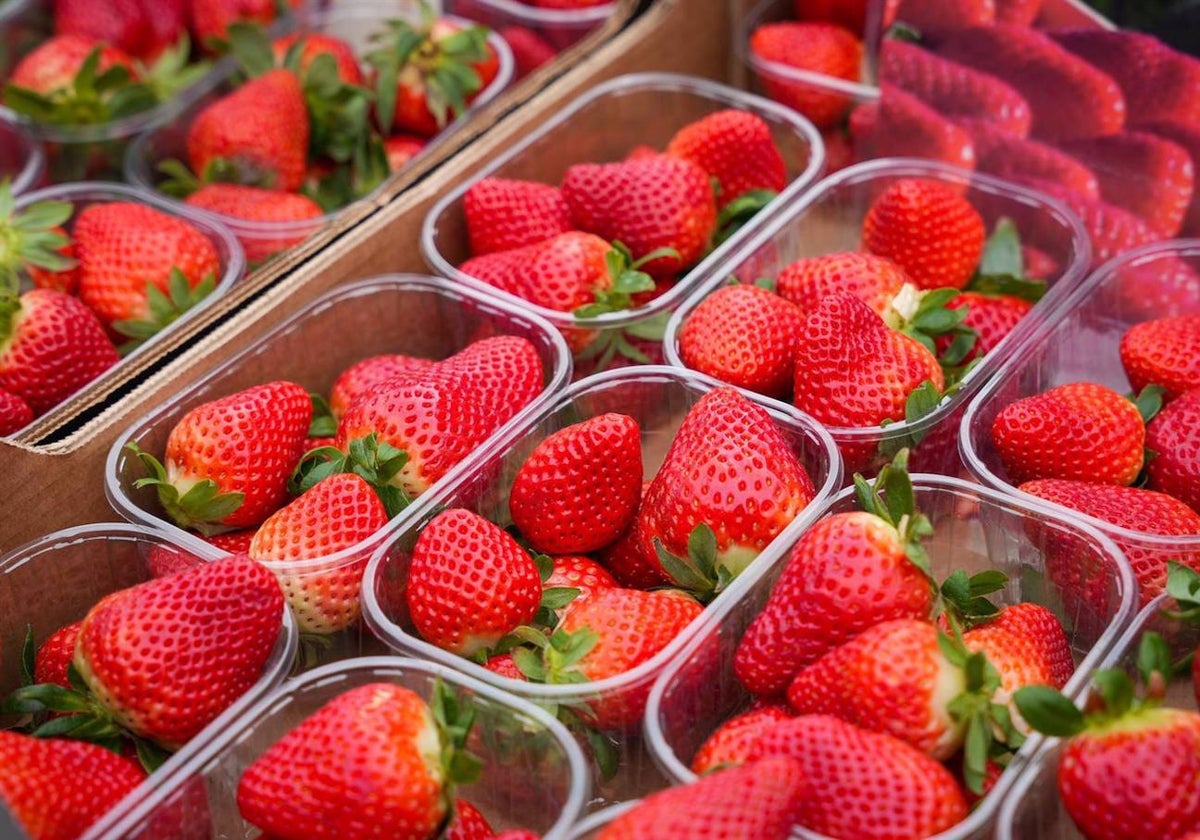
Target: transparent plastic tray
21, 159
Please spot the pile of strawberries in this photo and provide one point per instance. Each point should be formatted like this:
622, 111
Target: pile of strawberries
123, 272
1135, 465
612, 236
863, 339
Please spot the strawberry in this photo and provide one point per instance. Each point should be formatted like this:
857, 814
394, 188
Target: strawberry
757, 802
1150, 177
210, 19
735, 738
505, 270
935, 19
1019, 12
874, 280
55, 789
867, 784
64, 279
578, 572
467, 823
163, 560
56, 63
736, 149
400, 149
746, 336
851, 14
729, 484
1008, 156
580, 487
901, 125
407, 755
929, 230
1158, 83
361, 377
646, 204
953, 89
228, 460
1080, 431
825, 49
1067, 96
55, 655
1038, 264
623, 558
256, 135
469, 583
123, 24
991, 317
530, 51
268, 208
1111, 229
1132, 508
15, 413
438, 417
1186, 136
503, 214
336, 513
1174, 438
309, 46
1137, 757
1163, 352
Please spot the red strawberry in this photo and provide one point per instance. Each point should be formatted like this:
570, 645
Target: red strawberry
505, 667
573, 269
62, 75
1008, 156
55, 655
1111, 229
228, 460
874, 280
1150, 177
579, 572
268, 208
123, 24
851, 14
953, 89
260, 131
1174, 438
735, 738
336, 513
164, 560
731, 473
1187, 136
929, 230
56, 789
735, 148
469, 583
63, 279
580, 487
992, 317
819, 48
211, 18
646, 204
530, 51
1068, 97
900, 125
503, 214
312, 44
746, 336
1080, 431
506, 270
1163, 352
15, 413
624, 557
935, 19
402, 148
868, 785
758, 802
1136, 510
1038, 264
1019, 12
467, 823
361, 377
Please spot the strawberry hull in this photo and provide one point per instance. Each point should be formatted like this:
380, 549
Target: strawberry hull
21, 159
534, 775
1082, 344
975, 529
829, 219
87, 563
657, 398
604, 125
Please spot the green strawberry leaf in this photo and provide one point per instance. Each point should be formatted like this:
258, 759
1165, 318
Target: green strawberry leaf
1116, 689
28, 657
324, 424
604, 752
1149, 402
1049, 711
1154, 666
250, 46
1002, 251
736, 214
150, 755
557, 597
1183, 584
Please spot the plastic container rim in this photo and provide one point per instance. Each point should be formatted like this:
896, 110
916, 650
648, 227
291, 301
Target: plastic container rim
35, 157
575, 18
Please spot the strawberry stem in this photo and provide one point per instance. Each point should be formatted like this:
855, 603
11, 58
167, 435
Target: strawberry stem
201, 507
164, 309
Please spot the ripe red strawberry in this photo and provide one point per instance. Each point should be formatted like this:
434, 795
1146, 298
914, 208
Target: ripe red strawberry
1038, 264
259, 132
530, 51
954, 89
992, 317
579, 572
406, 757
313, 44
1163, 352
851, 14
1174, 438
53, 69
624, 557
874, 280
929, 230
580, 487
1008, 156
15, 413
467, 823
505, 270
402, 148
746, 336
821, 48
503, 214
228, 460
336, 513
257, 205
646, 204
62, 279
1080, 431
1019, 12
935, 19
123, 24
1150, 177
469, 583
901, 125
56, 789
733, 741
55, 655
1132, 508
441, 415
1111, 229
1187, 136
1068, 97
163, 560
729, 472
758, 802
865, 780
211, 18
361, 377
734, 147
1159, 83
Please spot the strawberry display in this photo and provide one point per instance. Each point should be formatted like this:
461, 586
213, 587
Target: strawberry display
812, 47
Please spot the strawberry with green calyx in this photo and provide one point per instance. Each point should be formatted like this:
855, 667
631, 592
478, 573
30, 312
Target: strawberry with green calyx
372, 460
1183, 584
1139, 757
1002, 269
32, 238
941, 329
639, 343
165, 308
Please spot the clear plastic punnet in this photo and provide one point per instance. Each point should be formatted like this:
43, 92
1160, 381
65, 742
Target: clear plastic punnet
829, 218
534, 775
656, 397
21, 159
408, 314
1050, 559
604, 125
82, 565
